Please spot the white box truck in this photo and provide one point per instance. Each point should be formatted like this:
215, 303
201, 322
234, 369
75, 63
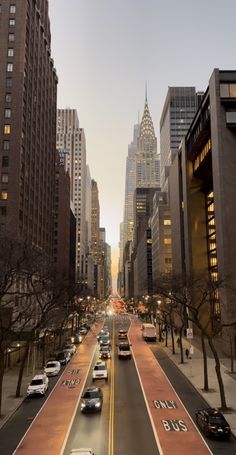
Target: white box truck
149, 332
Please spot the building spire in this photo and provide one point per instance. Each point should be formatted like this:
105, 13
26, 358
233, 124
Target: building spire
146, 127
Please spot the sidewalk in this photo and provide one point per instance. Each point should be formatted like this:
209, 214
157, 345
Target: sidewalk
9, 402
193, 370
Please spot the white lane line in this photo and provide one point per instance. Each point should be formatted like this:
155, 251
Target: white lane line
77, 403
146, 402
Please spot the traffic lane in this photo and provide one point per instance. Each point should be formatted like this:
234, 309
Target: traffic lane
92, 430
191, 398
15, 428
58, 410
132, 426
172, 424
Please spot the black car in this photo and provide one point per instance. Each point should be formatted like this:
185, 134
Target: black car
105, 352
92, 400
213, 423
63, 357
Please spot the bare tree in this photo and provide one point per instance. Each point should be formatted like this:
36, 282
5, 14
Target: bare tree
196, 302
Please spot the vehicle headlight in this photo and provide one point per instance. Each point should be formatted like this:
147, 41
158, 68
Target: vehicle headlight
97, 405
82, 405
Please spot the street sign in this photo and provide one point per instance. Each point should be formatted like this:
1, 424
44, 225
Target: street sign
191, 350
190, 334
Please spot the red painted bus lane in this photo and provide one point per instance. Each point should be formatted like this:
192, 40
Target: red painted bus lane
48, 432
173, 427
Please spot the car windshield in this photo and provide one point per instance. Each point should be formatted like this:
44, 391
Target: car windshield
104, 349
105, 338
91, 394
124, 347
99, 367
217, 420
68, 346
36, 382
51, 365
61, 355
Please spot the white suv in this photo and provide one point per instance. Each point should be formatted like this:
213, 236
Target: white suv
82, 452
100, 371
123, 350
38, 385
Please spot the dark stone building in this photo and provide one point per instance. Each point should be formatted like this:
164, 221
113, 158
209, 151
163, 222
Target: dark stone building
28, 91
203, 194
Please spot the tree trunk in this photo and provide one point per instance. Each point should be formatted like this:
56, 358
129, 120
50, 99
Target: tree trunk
218, 374
172, 340
231, 355
21, 371
181, 346
205, 370
2, 359
166, 330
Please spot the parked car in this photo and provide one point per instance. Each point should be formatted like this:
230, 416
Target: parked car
63, 357
83, 330
52, 368
100, 371
122, 334
213, 423
81, 452
38, 385
123, 350
69, 348
105, 352
92, 400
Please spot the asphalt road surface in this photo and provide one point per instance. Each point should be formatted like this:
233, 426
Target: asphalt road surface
191, 399
123, 427
15, 428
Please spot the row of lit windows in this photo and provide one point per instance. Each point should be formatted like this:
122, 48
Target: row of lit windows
12, 9
202, 155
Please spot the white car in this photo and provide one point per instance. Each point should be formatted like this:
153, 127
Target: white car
38, 385
71, 348
100, 371
82, 452
52, 368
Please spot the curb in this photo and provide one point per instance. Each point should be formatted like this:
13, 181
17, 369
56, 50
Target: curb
10, 414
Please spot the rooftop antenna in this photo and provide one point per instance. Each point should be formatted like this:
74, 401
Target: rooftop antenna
145, 90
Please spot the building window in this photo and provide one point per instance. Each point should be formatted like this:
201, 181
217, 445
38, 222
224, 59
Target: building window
8, 98
7, 129
11, 37
167, 241
167, 222
8, 82
12, 22
5, 161
6, 145
7, 113
4, 178
10, 52
9, 67
4, 195
12, 9
3, 211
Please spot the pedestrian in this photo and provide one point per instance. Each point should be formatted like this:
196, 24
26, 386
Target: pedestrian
187, 352
178, 342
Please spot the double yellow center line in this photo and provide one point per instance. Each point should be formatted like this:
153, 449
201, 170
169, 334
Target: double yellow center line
112, 396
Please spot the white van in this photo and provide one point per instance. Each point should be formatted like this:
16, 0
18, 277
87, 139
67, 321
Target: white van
149, 332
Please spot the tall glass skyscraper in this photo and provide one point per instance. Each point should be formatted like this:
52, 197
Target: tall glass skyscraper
180, 106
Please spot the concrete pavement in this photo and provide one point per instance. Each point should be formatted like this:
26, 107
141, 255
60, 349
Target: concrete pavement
193, 370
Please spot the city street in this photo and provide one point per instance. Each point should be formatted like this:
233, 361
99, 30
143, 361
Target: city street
124, 425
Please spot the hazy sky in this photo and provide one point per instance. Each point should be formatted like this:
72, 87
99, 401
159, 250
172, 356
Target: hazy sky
105, 50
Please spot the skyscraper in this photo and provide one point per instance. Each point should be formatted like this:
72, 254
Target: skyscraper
71, 142
147, 159
179, 109
28, 92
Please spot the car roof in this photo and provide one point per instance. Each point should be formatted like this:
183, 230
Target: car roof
39, 376
99, 362
211, 412
92, 389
